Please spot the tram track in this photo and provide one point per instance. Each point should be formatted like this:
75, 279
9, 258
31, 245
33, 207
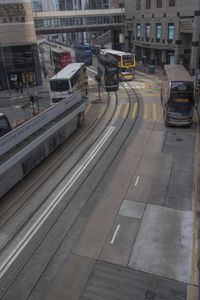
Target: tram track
25, 200
80, 138
114, 135
66, 154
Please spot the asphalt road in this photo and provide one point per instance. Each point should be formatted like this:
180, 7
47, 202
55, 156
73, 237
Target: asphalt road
133, 237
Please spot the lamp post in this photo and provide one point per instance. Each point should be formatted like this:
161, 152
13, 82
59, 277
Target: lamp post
5, 70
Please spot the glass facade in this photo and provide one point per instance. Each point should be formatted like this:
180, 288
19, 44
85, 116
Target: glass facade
138, 31
170, 31
147, 31
158, 31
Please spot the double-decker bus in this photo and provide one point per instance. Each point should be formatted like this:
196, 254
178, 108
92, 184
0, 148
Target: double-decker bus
60, 58
108, 71
69, 80
83, 53
126, 63
177, 96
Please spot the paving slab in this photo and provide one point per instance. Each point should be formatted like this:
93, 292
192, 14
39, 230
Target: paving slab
163, 245
119, 243
132, 209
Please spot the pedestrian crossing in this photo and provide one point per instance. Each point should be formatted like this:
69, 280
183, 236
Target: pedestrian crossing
150, 112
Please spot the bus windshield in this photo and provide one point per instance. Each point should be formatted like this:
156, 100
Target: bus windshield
59, 85
128, 60
182, 90
126, 70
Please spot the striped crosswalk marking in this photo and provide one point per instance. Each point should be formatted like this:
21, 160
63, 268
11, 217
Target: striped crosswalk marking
117, 111
145, 111
110, 112
126, 111
154, 108
88, 108
151, 111
135, 108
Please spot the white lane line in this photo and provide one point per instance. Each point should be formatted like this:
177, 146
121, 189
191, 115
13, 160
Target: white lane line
35, 227
137, 180
115, 234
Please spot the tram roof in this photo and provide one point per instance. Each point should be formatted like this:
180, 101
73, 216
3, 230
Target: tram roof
107, 57
68, 71
59, 50
176, 72
116, 52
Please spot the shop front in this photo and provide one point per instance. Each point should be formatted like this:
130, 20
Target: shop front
20, 67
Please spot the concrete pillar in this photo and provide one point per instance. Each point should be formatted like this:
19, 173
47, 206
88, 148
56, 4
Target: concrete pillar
164, 56
195, 43
177, 55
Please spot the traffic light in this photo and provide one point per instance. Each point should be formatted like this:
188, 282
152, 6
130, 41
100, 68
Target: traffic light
198, 87
198, 84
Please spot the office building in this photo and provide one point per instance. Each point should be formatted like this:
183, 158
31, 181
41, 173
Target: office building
164, 31
19, 60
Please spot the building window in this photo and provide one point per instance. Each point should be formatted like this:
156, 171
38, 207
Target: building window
148, 4
138, 31
171, 3
121, 5
159, 3
158, 31
147, 31
170, 31
138, 4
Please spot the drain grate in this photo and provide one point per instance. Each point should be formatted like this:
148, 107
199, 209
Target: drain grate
179, 139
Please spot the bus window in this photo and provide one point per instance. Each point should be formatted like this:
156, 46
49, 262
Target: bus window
182, 89
59, 85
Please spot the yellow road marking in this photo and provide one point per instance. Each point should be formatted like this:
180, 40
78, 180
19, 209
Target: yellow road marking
154, 107
88, 108
145, 111
110, 111
126, 111
135, 108
194, 225
117, 111
147, 85
149, 94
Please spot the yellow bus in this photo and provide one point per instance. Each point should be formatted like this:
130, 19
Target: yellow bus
126, 63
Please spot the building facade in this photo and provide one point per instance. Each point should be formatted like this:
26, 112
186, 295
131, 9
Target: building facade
49, 5
164, 31
19, 60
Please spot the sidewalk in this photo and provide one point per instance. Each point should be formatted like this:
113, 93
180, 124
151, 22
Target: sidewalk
158, 71
27, 91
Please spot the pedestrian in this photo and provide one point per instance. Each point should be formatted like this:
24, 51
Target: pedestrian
21, 86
